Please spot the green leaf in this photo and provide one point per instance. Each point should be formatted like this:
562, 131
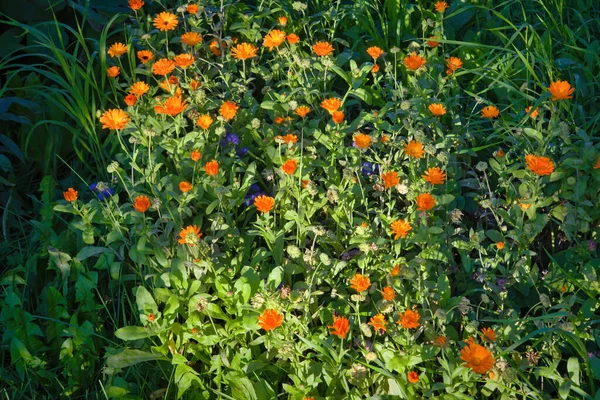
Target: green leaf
145, 301
129, 357
574, 370
132, 333
275, 278
90, 251
444, 289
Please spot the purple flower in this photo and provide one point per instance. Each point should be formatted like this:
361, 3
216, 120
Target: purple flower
102, 190
369, 169
242, 151
591, 245
253, 192
230, 138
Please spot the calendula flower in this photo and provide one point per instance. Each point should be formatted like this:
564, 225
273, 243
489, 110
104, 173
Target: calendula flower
228, 110
114, 119
302, 111
190, 235
360, 283
270, 319
539, 165
184, 60
425, 202
194, 84
561, 90
597, 165
440, 341
151, 317
113, 71
340, 327
244, 51
362, 141
500, 153
322, 49
274, 39
378, 322
409, 319
117, 50
193, 8
477, 357
163, 67
375, 69
453, 63
433, 43
500, 245
414, 61
388, 293
185, 187
288, 139
168, 85
195, 156
413, 376
390, 179
214, 47
437, 109
204, 121
211, 168
400, 228
490, 112
144, 56
139, 88
435, 176
136, 4
141, 203
331, 104
375, 52
395, 271
264, 204
414, 149
441, 6
488, 334
337, 117
165, 21
282, 20
70, 195
534, 113
172, 106
292, 38
289, 167
130, 100
191, 38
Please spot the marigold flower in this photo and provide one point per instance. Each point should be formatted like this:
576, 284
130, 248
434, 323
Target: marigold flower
113, 71
117, 50
375, 69
409, 319
172, 106
191, 38
211, 168
270, 319
302, 111
190, 235
395, 270
264, 204
534, 113
138, 89
561, 90
282, 20
337, 117
114, 119
130, 100
228, 110
362, 141
244, 51
151, 317
453, 63
331, 105
192, 8
477, 357
414, 61
440, 341
490, 112
488, 334
184, 60
375, 52
169, 84
539, 165
289, 167
597, 165
136, 4
413, 377
195, 156
165, 21
437, 109
163, 67
322, 49
214, 47
288, 139
390, 179
185, 186
441, 6
360, 283
194, 84
384, 138
523, 206
274, 39
388, 293
425, 202
414, 149
500, 245
70, 195
435, 176
144, 56
292, 38
378, 322
400, 228
204, 121
141, 203
433, 43
500, 153
340, 326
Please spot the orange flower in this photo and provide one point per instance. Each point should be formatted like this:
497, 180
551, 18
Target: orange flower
192, 8
185, 186
113, 71
523, 206
292, 38
117, 50
337, 117
115, 119
302, 111
360, 283
453, 63
414, 61
135, 4
539, 165
264, 204
195, 156
437, 109
194, 84
144, 56
425, 202
433, 43
395, 271
282, 20
274, 39
130, 100
490, 112
597, 165
410, 319
488, 334
331, 105
500, 245
477, 357
500, 153
441, 6
413, 377
384, 138
173, 106
70, 195
533, 114
390, 179
190, 235
340, 327
388, 293
288, 139
375, 52
169, 84
289, 167
214, 47
204, 121
191, 38
184, 60
244, 51
375, 69
228, 110
414, 149
561, 90
435, 176
440, 341
165, 21
151, 317
211, 168
400, 228
322, 49
362, 141
138, 89
270, 319
378, 322
141, 204
163, 67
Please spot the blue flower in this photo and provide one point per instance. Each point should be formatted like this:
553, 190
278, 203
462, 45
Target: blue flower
369, 169
253, 192
102, 190
241, 152
230, 138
